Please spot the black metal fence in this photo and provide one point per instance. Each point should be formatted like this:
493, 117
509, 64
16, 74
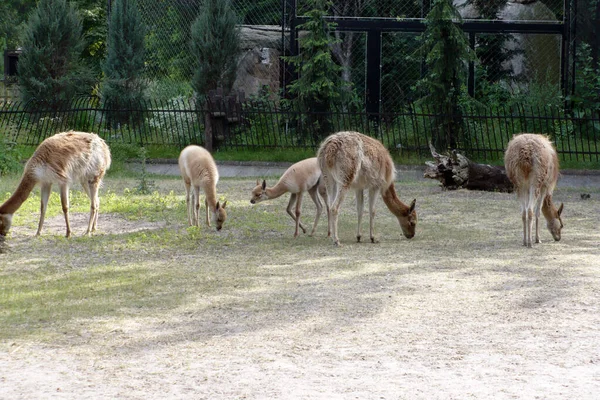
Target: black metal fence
483, 132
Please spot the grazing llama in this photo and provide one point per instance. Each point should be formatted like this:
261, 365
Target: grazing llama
61, 159
198, 170
353, 160
532, 166
303, 176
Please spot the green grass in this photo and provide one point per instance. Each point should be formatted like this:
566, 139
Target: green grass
50, 284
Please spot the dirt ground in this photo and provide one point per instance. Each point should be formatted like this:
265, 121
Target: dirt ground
438, 317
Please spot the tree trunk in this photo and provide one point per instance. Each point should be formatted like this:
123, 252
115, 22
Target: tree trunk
456, 171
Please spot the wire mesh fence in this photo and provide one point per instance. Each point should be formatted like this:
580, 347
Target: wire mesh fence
261, 124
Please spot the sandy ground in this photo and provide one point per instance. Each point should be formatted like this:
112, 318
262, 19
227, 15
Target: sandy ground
490, 321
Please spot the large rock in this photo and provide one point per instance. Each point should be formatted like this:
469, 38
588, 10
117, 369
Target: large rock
258, 65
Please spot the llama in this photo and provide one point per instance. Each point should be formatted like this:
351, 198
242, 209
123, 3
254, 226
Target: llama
532, 166
198, 170
303, 176
353, 160
61, 159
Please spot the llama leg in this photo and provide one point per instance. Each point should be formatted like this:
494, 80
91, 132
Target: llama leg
188, 203
64, 200
207, 216
313, 192
360, 205
331, 191
530, 217
290, 206
372, 197
524, 218
44, 195
92, 191
335, 210
298, 212
538, 208
196, 206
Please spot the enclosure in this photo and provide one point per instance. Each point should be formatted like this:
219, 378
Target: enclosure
149, 307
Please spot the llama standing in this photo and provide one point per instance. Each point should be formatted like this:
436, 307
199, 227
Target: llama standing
353, 160
532, 166
303, 176
198, 170
61, 159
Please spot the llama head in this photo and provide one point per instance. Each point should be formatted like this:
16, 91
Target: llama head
408, 223
259, 193
5, 223
219, 215
554, 223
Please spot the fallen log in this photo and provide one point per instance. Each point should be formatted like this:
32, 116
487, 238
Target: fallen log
456, 171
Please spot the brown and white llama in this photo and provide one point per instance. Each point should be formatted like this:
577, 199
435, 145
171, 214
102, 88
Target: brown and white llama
532, 166
61, 159
351, 160
198, 170
303, 176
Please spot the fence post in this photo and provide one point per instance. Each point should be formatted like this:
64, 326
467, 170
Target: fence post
208, 130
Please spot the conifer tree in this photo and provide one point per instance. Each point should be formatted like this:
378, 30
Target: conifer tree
50, 68
448, 52
319, 88
124, 85
214, 47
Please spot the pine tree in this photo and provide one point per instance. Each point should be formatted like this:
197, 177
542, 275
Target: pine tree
214, 47
448, 52
319, 88
50, 68
124, 85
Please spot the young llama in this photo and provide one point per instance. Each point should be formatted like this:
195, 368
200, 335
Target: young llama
353, 160
532, 166
61, 159
198, 170
303, 176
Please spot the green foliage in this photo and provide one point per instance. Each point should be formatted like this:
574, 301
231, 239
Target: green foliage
319, 88
9, 155
95, 30
50, 67
587, 87
123, 85
447, 52
145, 186
214, 47
13, 21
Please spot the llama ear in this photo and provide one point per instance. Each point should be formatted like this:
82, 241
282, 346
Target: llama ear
412, 205
560, 209
264, 185
217, 206
257, 182
224, 204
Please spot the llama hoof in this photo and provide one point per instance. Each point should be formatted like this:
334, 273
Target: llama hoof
337, 243
358, 239
373, 240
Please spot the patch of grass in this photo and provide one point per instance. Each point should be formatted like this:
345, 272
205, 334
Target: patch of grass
253, 273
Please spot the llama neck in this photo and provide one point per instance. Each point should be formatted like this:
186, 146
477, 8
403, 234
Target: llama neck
548, 208
15, 201
393, 203
274, 192
211, 198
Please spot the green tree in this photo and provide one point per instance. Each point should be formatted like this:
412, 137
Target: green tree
50, 67
319, 88
124, 84
448, 52
214, 47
